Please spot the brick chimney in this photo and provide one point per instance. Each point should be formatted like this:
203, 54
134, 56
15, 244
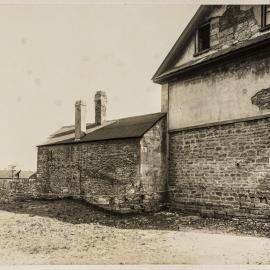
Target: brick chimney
100, 107
80, 119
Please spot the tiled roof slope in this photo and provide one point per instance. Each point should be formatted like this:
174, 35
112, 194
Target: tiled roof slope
131, 127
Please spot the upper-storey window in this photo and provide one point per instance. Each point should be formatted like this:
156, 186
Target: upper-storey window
266, 16
203, 38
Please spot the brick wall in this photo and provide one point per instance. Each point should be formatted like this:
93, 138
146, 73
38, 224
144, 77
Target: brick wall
18, 189
222, 170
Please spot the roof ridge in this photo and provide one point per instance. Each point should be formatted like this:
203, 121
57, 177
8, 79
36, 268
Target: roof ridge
128, 127
140, 115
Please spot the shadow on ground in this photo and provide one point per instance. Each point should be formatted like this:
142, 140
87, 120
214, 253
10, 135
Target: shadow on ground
77, 212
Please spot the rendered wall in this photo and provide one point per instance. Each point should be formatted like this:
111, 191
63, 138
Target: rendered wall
220, 93
224, 91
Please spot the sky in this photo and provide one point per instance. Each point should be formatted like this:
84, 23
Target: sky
52, 55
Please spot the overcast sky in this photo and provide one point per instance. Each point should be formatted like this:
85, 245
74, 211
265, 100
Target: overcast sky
53, 55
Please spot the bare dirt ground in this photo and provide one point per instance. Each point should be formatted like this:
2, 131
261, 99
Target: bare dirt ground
69, 232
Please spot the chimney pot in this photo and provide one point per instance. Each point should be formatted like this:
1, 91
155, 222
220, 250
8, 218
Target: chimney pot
80, 119
100, 107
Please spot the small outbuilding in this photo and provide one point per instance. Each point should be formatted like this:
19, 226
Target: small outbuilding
119, 165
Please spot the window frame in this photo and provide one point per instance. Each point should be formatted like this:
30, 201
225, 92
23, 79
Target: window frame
197, 52
264, 11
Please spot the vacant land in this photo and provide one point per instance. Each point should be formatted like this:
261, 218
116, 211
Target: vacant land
69, 232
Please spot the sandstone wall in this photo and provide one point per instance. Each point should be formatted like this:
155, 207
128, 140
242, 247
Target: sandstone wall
153, 166
218, 117
18, 189
222, 170
234, 24
119, 175
104, 173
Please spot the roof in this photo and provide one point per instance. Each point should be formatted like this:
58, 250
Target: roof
167, 69
131, 127
238, 48
176, 50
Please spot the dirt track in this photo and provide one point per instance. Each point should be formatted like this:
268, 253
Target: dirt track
66, 232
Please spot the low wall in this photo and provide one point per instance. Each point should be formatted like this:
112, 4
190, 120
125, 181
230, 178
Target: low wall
18, 189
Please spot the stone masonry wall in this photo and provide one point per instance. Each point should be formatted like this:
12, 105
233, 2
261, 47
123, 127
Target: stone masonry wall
153, 166
106, 173
222, 170
18, 189
236, 24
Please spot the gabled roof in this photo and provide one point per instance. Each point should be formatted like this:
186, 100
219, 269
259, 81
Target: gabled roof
181, 42
131, 127
168, 71
247, 46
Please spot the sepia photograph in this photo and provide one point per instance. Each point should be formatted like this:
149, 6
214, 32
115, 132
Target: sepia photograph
134, 133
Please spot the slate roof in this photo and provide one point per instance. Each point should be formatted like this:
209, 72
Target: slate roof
131, 127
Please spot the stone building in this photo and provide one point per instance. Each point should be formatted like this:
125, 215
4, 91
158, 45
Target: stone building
216, 93
119, 164
207, 152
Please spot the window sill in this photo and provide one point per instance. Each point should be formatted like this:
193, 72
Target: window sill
264, 28
201, 52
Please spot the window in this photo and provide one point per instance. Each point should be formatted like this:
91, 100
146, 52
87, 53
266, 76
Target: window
266, 16
203, 38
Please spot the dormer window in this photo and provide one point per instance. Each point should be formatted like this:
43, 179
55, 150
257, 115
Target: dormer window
265, 17
203, 39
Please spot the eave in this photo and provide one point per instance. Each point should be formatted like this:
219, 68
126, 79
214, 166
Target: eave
175, 52
251, 46
90, 137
